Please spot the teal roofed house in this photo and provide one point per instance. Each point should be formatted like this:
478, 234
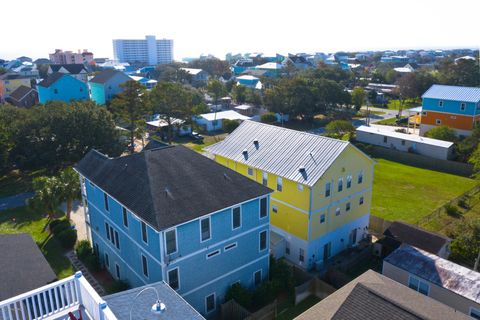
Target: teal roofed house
106, 85
61, 87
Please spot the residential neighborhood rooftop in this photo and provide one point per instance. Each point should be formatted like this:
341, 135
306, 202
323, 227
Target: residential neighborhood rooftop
465, 94
168, 186
176, 308
417, 237
280, 151
22, 265
105, 75
229, 114
375, 297
444, 273
405, 136
51, 79
74, 68
20, 92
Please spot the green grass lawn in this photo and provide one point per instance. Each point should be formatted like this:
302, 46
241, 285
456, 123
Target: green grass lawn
207, 141
26, 220
407, 193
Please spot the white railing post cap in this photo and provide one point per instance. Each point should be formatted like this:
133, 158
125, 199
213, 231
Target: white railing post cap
102, 305
78, 274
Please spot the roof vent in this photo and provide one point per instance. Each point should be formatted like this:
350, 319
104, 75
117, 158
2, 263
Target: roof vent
301, 169
255, 142
245, 151
225, 176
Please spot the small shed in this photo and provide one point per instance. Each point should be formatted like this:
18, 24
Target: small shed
214, 120
244, 109
161, 126
389, 138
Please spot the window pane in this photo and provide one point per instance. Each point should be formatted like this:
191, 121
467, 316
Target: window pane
173, 279
107, 230
125, 217
413, 284
205, 225
327, 189
105, 200
144, 232
145, 266
263, 207
236, 217
423, 288
117, 242
210, 303
170, 239
263, 240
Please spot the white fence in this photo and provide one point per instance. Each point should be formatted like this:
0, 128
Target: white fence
56, 300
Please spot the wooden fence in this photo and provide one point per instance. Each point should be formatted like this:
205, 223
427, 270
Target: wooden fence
231, 310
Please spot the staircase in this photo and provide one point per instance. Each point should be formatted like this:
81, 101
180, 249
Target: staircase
79, 266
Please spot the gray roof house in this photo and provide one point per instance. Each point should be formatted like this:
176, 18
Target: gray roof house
372, 296
22, 265
440, 279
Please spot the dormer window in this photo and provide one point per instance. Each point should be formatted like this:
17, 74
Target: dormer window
440, 103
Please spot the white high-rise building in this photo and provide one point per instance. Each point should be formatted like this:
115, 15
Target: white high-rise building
150, 51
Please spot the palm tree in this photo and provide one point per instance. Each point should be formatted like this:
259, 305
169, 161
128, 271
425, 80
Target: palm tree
70, 188
48, 195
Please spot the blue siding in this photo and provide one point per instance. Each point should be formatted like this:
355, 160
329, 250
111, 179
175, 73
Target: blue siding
198, 276
103, 93
67, 88
98, 93
449, 106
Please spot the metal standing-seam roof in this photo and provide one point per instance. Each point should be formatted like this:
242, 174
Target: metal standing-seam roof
283, 152
466, 94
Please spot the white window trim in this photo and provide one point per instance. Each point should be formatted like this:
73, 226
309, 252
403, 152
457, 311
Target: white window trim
324, 218
260, 241
339, 211
146, 263
214, 303
470, 311
165, 240
261, 276
279, 183
146, 231
228, 248
209, 228
351, 179
419, 281
213, 254
178, 276
260, 208
240, 226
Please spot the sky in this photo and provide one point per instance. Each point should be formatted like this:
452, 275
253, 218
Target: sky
217, 27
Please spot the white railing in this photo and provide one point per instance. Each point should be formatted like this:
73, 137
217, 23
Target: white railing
56, 300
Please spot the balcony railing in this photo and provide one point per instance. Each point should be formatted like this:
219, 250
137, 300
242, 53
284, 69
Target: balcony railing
57, 300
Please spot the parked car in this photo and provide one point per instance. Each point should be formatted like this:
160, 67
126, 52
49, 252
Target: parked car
196, 136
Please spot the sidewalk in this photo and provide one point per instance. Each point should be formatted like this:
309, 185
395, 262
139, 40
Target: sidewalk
78, 219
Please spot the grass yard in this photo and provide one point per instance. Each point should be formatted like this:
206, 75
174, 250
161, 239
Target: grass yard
26, 220
407, 193
207, 141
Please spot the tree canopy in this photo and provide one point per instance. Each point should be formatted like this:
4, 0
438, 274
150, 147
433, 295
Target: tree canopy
442, 133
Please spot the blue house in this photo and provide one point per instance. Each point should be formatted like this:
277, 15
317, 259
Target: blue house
106, 85
172, 214
61, 87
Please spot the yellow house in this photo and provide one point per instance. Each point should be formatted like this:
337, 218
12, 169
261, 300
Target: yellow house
323, 188
10, 82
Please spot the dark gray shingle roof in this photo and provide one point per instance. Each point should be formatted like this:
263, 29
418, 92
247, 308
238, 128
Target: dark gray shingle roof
20, 92
22, 265
106, 75
372, 296
75, 68
51, 79
417, 237
169, 186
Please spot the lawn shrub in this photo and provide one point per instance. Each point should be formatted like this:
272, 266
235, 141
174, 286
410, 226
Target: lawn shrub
268, 117
265, 293
83, 249
67, 238
240, 294
59, 225
452, 210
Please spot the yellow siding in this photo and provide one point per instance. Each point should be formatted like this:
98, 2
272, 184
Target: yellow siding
351, 161
294, 205
290, 218
11, 85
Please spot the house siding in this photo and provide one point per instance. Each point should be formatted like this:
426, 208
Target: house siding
198, 275
68, 88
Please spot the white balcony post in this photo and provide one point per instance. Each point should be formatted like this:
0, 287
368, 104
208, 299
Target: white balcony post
102, 306
78, 275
